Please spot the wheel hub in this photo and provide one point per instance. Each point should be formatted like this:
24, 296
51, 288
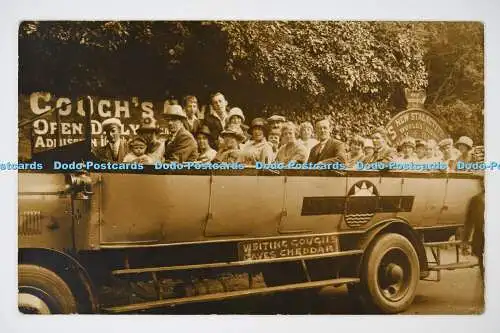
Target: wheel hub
32, 304
394, 273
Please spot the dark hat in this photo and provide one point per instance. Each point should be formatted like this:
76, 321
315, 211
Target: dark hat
236, 134
148, 125
258, 122
137, 141
204, 130
421, 143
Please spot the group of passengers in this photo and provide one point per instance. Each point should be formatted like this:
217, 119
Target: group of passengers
223, 136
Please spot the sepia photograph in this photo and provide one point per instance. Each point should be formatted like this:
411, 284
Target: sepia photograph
251, 167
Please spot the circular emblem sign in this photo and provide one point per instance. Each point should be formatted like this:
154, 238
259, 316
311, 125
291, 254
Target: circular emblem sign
417, 123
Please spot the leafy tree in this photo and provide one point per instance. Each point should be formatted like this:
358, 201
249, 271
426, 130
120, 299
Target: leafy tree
455, 62
354, 72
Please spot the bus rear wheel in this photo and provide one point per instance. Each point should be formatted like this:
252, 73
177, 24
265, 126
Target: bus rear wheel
41, 291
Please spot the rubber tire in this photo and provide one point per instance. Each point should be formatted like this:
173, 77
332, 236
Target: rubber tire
49, 282
371, 295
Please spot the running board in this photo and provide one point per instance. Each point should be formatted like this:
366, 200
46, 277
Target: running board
453, 266
234, 263
227, 295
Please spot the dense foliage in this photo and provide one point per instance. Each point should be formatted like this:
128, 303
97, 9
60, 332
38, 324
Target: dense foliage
353, 71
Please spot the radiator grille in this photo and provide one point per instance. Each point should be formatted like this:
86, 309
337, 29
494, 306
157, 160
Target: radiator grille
30, 223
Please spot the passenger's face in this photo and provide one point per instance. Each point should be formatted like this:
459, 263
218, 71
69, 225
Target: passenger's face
113, 134
230, 142
421, 151
258, 134
219, 103
429, 152
407, 151
173, 124
191, 108
275, 125
235, 120
289, 135
274, 139
139, 150
202, 142
378, 140
369, 151
463, 149
305, 133
446, 150
355, 147
323, 130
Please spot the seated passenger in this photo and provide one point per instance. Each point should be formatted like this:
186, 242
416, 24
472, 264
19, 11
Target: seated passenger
155, 147
137, 154
383, 152
274, 123
191, 107
181, 146
206, 153
328, 149
356, 153
306, 133
274, 138
116, 148
368, 150
293, 150
257, 149
464, 145
446, 147
433, 154
230, 153
407, 150
235, 121
421, 150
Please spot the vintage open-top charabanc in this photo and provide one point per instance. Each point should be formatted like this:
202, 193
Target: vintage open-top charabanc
83, 231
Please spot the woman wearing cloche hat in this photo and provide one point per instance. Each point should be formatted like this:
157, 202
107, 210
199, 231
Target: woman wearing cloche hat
464, 145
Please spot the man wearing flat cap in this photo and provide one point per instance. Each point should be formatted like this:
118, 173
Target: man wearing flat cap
181, 145
149, 131
116, 148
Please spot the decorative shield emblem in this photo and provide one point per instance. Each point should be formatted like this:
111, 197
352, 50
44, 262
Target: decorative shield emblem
361, 204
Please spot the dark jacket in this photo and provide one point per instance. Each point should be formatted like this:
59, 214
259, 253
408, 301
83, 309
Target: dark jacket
181, 148
385, 155
334, 151
106, 153
215, 126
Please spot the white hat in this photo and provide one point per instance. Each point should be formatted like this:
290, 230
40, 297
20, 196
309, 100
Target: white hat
111, 122
465, 140
236, 112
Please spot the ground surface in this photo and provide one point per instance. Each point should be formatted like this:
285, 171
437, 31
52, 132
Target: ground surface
458, 292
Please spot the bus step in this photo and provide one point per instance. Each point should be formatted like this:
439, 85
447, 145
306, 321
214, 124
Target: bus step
227, 295
452, 266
